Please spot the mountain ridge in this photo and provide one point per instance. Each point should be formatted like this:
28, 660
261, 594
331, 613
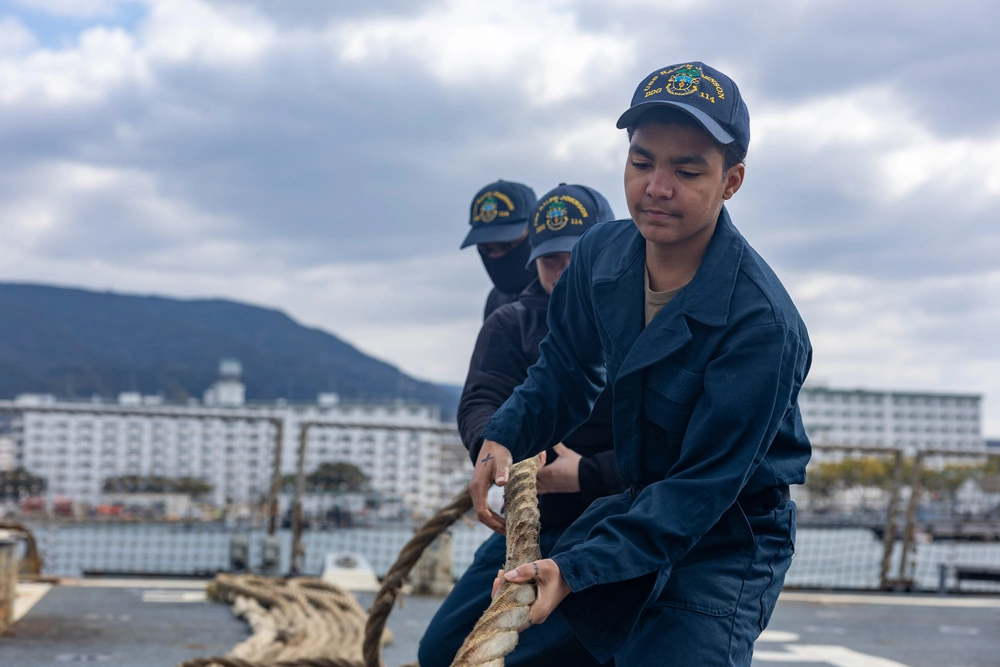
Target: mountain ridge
76, 342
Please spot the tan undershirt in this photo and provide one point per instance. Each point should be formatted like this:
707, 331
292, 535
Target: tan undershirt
655, 301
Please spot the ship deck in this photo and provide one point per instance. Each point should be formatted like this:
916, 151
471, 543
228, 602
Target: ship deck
132, 623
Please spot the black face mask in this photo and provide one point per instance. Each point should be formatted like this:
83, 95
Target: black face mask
508, 273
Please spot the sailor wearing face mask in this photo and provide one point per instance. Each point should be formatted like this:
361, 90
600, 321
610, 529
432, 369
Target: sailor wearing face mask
582, 468
499, 220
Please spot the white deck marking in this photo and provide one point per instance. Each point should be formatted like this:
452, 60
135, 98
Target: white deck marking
777, 636
26, 596
837, 656
173, 596
140, 583
828, 629
898, 600
123, 618
963, 630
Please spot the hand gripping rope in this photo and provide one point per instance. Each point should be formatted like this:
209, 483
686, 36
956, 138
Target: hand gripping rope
495, 635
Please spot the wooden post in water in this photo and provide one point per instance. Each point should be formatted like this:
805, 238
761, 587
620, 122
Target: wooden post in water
911, 516
889, 533
300, 485
279, 437
8, 578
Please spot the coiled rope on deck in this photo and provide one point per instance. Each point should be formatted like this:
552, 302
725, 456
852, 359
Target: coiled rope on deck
223, 661
301, 622
31, 562
306, 622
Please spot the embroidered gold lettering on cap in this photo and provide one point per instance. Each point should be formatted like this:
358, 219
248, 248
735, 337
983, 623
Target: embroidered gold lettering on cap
490, 205
719, 92
649, 90
558, 214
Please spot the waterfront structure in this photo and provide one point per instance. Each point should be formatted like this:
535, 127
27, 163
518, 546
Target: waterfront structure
229, 390
76, 446
399, 446
8, 453
905, 420
229, 443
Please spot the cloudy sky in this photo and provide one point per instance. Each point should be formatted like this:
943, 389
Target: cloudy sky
322, 160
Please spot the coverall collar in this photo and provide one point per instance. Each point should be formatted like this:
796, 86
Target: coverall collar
705, 299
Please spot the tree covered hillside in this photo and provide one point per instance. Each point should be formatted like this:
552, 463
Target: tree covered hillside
74, 342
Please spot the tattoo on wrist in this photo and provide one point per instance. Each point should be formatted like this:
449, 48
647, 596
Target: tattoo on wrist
487, 459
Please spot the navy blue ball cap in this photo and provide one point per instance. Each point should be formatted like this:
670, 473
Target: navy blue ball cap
499, 213
561, 217
702, 92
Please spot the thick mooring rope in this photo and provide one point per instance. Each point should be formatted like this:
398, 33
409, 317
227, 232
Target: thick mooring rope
301, 622
495, 635
394, 579
31, 563
295, 621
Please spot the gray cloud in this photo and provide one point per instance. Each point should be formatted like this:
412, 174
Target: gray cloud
265, 151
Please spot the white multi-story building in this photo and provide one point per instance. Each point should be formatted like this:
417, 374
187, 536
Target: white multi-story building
75, 447
401, 454
231, 444
905, 420
8, 453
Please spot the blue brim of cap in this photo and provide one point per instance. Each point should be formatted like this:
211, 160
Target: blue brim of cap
557, 244
706, 121
494, 234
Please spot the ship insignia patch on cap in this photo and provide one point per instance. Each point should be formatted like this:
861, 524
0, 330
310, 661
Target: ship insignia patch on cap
556, 217
683, 80
488, 209
490, 206
559, 211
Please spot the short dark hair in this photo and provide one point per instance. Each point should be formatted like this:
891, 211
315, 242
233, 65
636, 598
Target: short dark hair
732, 153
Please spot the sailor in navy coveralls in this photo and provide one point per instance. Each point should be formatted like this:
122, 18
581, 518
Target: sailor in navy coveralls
706, 354
584, 468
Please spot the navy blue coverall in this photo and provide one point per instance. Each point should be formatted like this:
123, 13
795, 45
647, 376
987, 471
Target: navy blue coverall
506, 348
686, 566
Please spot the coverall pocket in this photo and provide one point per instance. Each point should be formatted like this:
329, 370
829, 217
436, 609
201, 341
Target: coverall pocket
677, 385
709, 579
671, 393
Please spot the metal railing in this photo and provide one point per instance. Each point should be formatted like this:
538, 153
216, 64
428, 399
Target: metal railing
880, 518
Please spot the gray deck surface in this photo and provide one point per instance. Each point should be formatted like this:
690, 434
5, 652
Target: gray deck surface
915, 636
114, 627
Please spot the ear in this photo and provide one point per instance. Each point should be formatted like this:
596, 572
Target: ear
734, 179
